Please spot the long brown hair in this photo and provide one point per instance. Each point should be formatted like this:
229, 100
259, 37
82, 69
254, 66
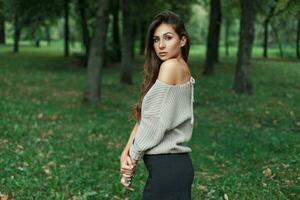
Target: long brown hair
152, 61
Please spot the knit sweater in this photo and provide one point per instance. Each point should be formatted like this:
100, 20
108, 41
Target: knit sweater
167, 120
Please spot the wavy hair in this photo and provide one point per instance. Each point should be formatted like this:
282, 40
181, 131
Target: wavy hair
152, 61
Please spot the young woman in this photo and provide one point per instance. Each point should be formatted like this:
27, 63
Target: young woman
164, 114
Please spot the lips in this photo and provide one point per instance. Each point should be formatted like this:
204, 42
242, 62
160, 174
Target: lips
162, 53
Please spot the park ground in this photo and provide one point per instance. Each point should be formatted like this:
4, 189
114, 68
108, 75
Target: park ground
53, 146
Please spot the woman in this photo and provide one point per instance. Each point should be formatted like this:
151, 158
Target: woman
164, 114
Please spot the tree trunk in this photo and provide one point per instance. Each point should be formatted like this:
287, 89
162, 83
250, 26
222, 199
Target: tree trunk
213, 37
266, 36
96, 57
143, 29
226, 37
36, 36
242, 82
126, 65
66, 27
218, 31
298, 38
2, 27
278, 41
84, 29
132, 45
266, 28
37, 43
48, 34
116, 30
17, 33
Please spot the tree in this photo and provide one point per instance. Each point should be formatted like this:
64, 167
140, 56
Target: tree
275, 31
17, 29
23, 14
81, 7
213, 38
116, 30
230, 13
143, 31
298, 37
66, 27
47, 31
126, 58
276, 8
2, 24
92, 92
242, 81
266, 22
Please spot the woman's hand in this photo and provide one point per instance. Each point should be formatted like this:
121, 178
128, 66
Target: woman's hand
126, 165
127, 169
134, 162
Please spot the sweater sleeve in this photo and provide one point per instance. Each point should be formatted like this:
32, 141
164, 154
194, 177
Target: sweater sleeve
151, 129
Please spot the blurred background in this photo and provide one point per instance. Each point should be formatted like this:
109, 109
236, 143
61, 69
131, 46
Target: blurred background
71, 71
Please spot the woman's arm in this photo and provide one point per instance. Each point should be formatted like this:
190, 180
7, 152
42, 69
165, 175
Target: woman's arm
132, 135
127, 165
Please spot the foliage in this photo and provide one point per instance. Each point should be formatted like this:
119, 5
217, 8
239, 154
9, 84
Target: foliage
32, 11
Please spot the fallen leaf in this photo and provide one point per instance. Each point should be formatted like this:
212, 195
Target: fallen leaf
40, 116
46, 169
225, 197
267, 172
202, 188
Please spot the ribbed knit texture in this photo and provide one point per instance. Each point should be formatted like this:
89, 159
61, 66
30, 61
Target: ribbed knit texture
167, 120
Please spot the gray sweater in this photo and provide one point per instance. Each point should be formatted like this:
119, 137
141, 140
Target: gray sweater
167, 120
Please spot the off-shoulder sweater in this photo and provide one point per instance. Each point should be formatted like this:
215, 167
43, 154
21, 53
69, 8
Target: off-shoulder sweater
167, 120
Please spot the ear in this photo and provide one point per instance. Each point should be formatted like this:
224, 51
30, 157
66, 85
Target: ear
183, 41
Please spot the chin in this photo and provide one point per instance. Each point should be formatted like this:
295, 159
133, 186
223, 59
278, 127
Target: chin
164, 58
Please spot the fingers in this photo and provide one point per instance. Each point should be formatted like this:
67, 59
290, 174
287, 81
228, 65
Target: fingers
126, 182
127, 169
129, 162
127, 166
129, 188
127, 174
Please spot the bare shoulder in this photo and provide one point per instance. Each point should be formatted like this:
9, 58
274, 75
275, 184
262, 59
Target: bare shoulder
168, 71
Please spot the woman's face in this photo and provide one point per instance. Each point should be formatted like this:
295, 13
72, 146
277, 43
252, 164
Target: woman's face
167, 43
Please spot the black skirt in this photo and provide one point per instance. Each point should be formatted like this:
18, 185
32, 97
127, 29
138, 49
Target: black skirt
170, 177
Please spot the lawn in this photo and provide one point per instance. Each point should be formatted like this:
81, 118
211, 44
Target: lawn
53, 146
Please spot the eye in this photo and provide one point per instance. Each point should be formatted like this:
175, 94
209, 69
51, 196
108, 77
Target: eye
155, 40
168, 37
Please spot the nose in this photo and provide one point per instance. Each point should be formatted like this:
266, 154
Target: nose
161, 44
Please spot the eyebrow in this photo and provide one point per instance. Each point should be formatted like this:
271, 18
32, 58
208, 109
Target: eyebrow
163, 34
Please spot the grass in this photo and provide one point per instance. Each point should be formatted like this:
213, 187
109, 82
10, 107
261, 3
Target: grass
52, 146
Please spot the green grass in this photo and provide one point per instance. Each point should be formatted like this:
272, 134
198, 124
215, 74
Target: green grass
52, 146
